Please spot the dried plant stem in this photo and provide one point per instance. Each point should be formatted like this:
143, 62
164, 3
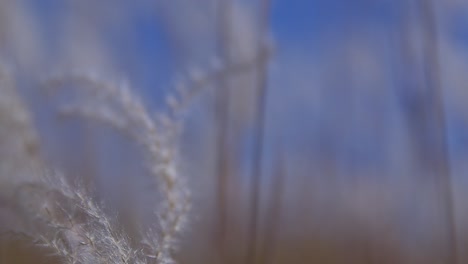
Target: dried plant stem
273, 217
222, 122
440, 163
259, 131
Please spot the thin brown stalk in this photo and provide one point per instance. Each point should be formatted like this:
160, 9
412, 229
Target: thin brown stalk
440, 162
274, 212
222, 123
259, 130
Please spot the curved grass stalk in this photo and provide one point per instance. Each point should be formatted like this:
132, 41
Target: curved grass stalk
117, 106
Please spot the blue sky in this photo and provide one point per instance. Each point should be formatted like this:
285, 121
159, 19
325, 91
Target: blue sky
310, 29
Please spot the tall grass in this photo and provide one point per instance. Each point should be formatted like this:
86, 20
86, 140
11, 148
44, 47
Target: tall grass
67, 219
52, 216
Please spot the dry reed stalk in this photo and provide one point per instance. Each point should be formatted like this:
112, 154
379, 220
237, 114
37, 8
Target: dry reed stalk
426, 119
440, 162
222, 125
273, 217
259, 129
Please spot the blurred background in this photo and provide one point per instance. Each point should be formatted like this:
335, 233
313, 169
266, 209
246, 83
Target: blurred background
327, 131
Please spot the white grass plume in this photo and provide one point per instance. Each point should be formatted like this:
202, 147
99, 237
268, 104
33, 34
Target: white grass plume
115, 104
64, 219
72, 225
